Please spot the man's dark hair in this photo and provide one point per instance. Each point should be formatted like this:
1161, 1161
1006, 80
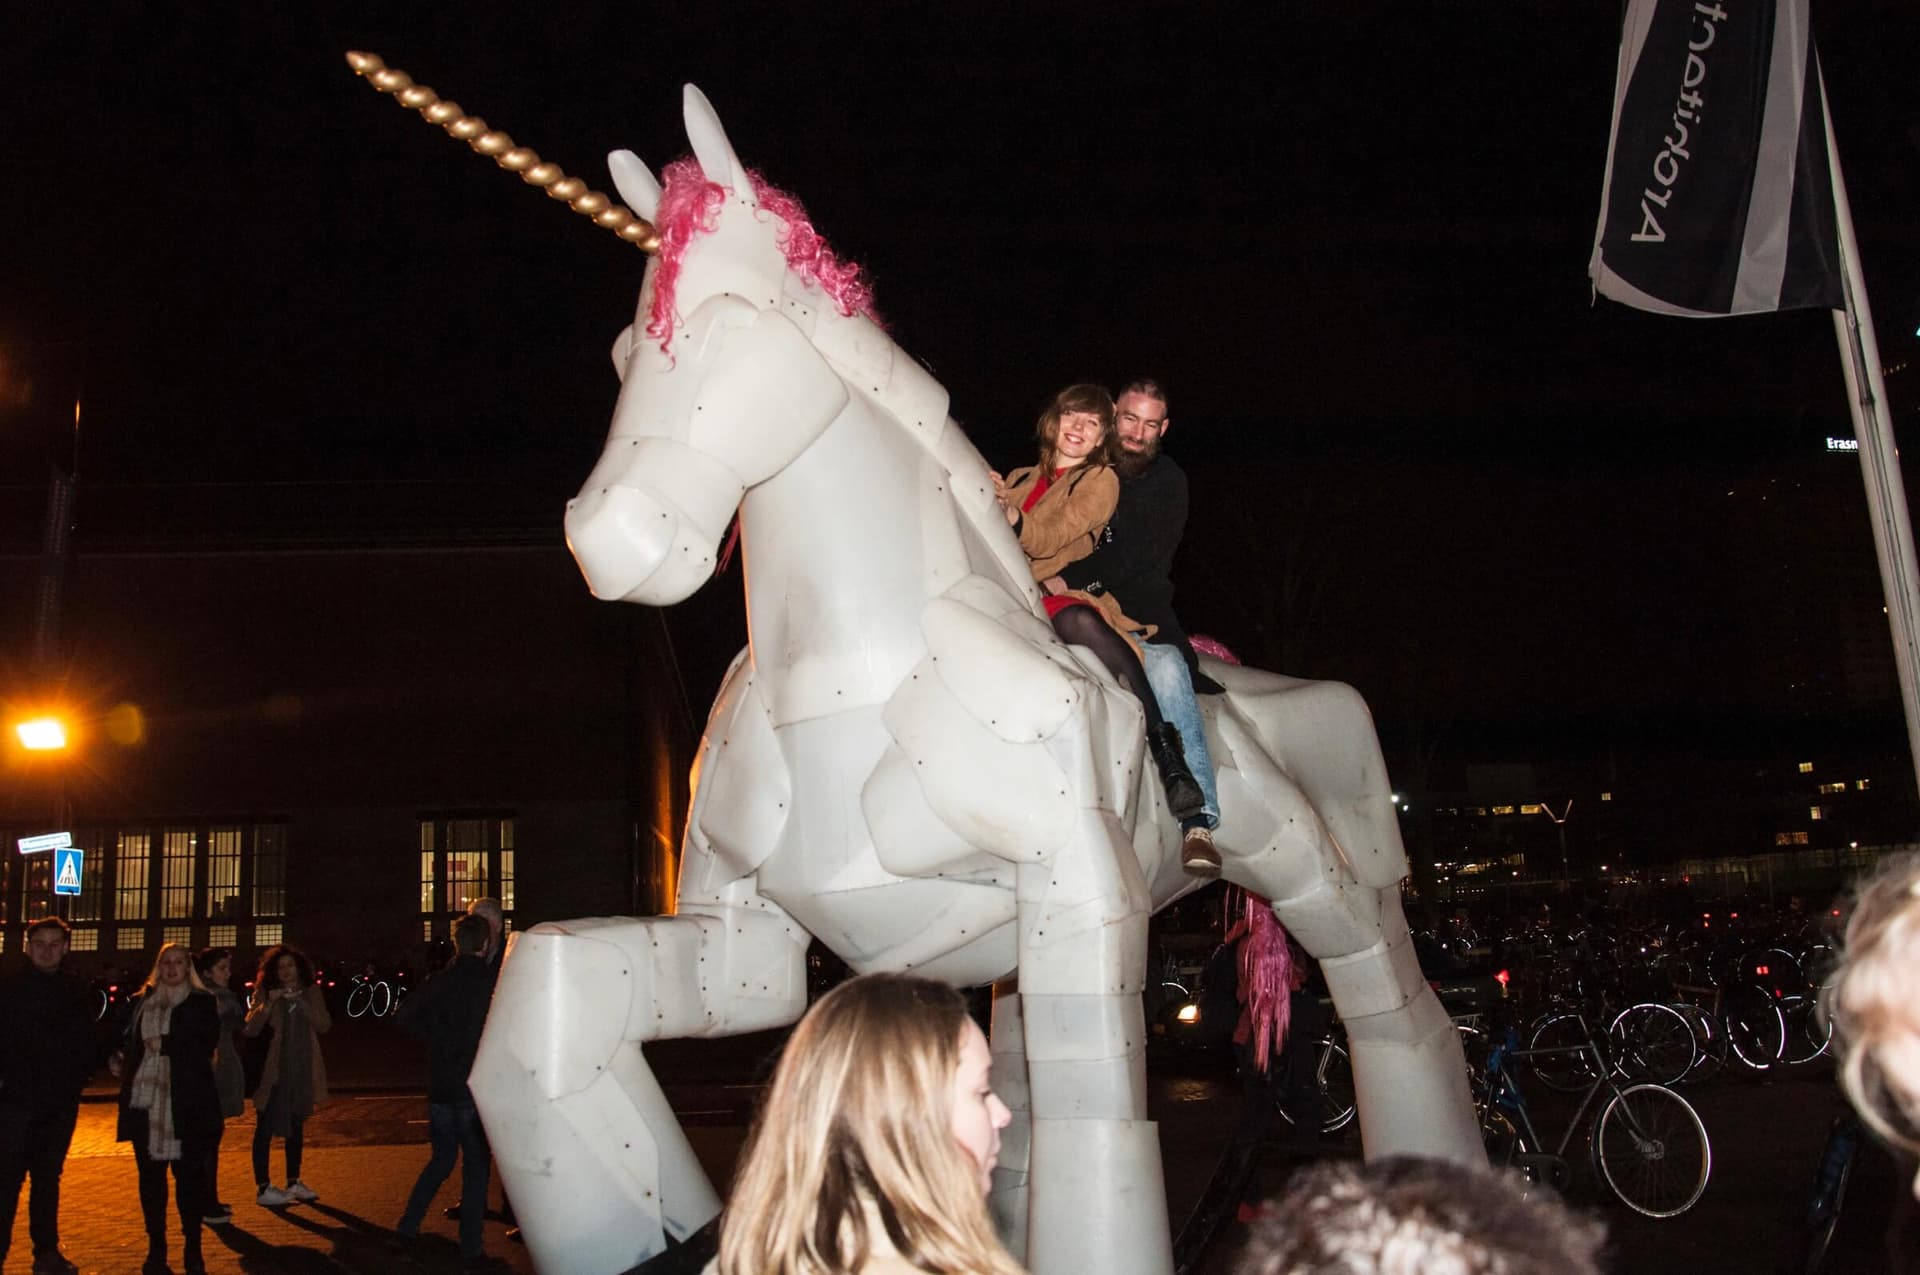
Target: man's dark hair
1408, 1214
470, 934
1144, 385
51, 923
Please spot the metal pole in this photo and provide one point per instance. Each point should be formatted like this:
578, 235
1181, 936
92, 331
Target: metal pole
1879, 454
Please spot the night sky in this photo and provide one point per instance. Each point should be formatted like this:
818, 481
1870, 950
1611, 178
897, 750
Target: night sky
1351, 238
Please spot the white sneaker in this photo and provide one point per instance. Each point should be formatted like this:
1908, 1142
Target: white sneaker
301, 1193
271, 1197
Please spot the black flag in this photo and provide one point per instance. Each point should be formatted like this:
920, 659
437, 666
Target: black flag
1719, 197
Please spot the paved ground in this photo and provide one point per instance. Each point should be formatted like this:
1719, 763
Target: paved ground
364, 1150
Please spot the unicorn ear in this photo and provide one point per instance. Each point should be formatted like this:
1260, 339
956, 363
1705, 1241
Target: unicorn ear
635, 183
710, 145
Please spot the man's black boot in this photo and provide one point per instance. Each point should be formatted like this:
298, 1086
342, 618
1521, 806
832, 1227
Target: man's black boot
1184, 797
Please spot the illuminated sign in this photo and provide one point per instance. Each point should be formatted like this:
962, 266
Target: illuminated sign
1843, 444
45, 841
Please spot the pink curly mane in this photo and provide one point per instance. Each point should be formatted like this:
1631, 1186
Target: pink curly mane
690, 207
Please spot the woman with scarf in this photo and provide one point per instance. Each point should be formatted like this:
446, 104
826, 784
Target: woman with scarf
169, 1109
293, 1081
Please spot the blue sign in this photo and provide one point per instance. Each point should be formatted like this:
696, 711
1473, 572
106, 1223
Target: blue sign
66, 869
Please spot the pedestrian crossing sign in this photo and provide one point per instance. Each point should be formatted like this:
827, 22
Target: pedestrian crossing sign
66, 869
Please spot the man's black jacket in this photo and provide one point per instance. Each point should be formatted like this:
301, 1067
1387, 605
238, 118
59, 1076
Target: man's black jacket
48, 1048
450, 1012
1134, 558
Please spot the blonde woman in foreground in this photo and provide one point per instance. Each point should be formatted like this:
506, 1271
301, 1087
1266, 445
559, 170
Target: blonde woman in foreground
876, 1144
1874, 1002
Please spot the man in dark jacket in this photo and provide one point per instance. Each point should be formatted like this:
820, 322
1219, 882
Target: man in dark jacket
450, 1012
47, 1053
1134, 562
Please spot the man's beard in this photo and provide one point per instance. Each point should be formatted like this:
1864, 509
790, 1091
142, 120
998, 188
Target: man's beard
1134, 464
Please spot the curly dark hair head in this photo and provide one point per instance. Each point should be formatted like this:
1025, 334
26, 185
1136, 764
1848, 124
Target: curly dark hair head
265, 975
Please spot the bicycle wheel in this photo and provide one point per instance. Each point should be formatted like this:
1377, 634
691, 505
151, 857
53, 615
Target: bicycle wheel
1336, 1089
382, 998
1569, 1073
1756, 1032
1652, 1042
1709, 1043
1652, 1151
359, 999
1808, 1032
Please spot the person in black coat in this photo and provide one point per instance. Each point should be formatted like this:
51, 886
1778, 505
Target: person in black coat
47, 1053
451, 1011
169, 1105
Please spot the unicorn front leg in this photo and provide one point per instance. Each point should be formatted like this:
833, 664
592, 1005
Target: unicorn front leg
588, 1149
1098, 1192
1003, 746
598, 1167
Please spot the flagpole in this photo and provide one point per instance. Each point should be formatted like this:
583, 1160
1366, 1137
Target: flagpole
1879, 453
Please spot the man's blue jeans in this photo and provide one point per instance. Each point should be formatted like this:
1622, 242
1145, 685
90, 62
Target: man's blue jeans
1172, 685
453, 1129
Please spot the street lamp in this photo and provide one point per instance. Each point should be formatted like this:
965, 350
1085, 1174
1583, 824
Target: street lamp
41, 734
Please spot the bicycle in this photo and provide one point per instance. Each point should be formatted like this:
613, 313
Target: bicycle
370, 994
1829, 1196
1648, 1145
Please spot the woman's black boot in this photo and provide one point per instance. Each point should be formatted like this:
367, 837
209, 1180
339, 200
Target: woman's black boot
1184, 797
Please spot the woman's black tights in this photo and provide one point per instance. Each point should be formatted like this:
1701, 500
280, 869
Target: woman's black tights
1083, 625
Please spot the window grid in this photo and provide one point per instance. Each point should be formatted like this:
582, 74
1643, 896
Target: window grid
86, 938
181, 934
267, 933
39, 883
225, 849
90, 903
506, 877
130, 879
177, 846
270, 871
223, 936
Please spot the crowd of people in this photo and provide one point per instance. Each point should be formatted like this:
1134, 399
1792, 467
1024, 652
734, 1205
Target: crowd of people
190, 1052
874, 1149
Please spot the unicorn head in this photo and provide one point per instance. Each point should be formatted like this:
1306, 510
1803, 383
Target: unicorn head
724, 371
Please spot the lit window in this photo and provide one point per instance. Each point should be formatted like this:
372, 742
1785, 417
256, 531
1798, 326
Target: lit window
269, 875
223, 935
181, 934
1831, 788
1606, 796
1531, 808
1814, 812
1788, 839
1862, 784
225, 849
176, 876
1806, 768
268, 933
1503, 810
86, 938
130, 881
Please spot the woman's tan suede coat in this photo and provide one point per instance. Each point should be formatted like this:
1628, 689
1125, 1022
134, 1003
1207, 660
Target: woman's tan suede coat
1065, 524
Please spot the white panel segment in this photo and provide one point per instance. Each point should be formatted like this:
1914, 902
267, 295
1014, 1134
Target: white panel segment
997, 676
960, 761
765, 399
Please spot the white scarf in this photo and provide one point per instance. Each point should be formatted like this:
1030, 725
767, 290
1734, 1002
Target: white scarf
153, 1084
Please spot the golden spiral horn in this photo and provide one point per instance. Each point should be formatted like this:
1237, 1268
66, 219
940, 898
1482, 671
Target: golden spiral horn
533, 170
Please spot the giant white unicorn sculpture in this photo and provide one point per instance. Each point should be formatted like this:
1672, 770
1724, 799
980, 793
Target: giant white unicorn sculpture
907, 764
